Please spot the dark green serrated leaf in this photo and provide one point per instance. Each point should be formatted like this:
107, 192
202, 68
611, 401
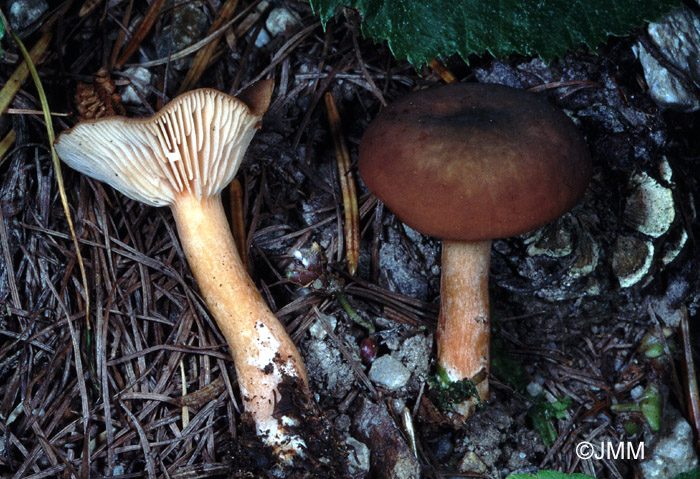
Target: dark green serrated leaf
549, 475
2, 31
692, 474
420, 30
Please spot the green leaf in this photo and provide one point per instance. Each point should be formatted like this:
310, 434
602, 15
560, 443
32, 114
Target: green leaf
2, 31
420, 30
692, 474
651, 403
542, 413
549, 475
505, 367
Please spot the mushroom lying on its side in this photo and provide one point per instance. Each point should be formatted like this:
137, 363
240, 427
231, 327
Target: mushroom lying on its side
468, 163
182, 157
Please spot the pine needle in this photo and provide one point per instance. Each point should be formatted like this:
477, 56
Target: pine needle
57, 167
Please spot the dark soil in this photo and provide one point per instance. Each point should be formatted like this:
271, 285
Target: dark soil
108, 400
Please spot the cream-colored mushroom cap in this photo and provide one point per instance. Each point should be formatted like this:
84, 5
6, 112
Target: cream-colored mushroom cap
194, 146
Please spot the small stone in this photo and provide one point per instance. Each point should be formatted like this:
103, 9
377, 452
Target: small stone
342, 423
442, 447
618, 364
649, 209
671, 452
24, 13
317, 329
189, 24
140, 80
636, 392
533, 389
279, 20
664, 87
389, 373
392, 341
398, 271
677, 37
358, 456
397, 406
262, 39
327, 368
414, 353
668, 306
119, 470
390, 455
472, 463
631, 260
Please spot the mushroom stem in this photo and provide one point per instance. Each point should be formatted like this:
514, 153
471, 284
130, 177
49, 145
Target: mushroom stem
263, 352
463, 325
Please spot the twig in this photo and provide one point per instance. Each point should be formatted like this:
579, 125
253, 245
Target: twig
13, 84
366, 74
691, 380
444, 72
237, 220
6, 144
141, 32
201, 59
192, 48
347, 186
121, 35
56, 164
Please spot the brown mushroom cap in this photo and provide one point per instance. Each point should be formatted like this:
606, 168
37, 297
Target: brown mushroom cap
472, 162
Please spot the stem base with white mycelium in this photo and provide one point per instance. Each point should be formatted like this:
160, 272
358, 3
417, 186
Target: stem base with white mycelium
183, 157
262, 353
463, 325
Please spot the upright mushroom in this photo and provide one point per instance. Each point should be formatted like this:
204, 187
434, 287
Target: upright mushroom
182, 157
468, 163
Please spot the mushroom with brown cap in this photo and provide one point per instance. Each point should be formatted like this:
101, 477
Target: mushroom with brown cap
469, 163
182, 157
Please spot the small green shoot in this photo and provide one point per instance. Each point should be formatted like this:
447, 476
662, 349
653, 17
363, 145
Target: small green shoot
343, 300
651, 346
542, 413
511, 371
506, 368
650, 404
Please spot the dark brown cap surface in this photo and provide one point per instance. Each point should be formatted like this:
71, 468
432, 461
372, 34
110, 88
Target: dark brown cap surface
474, 161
